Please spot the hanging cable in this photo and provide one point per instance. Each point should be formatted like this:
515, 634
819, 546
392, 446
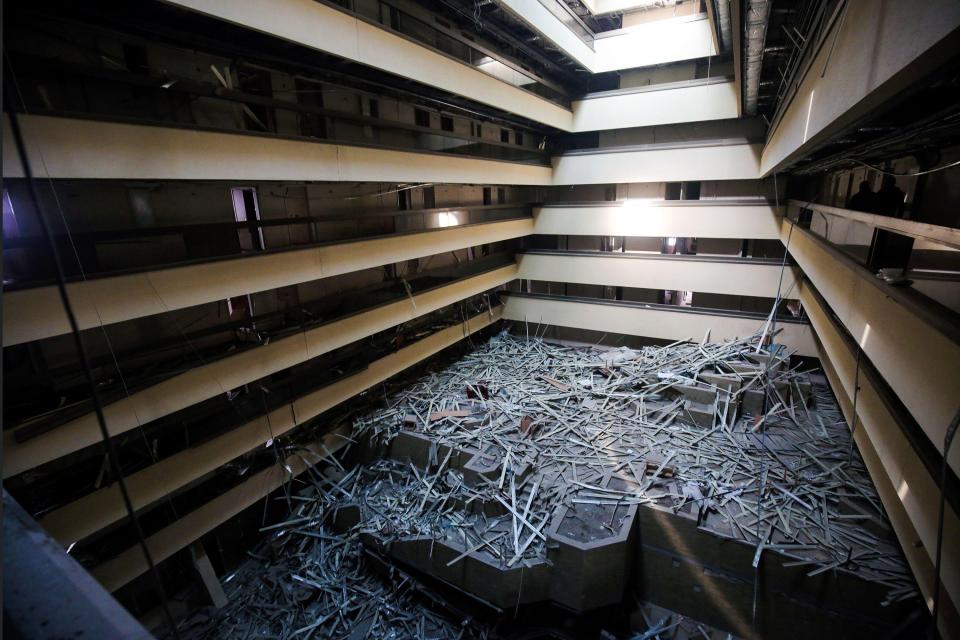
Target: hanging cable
772, 322
85, 365
904, 175
856, 395
947, 441
83, 274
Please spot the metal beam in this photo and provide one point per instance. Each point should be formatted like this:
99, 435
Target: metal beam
117, 572
737, 31
34, 314
714, 26
937, 234
651, 321
204, 382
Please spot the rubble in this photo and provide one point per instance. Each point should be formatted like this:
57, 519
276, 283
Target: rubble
758, 451
519, 474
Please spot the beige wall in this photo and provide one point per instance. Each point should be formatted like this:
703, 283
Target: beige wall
649, 218
650, 322
908, 491
70, 148
919, 362
726, 162
732, 278
33, 314
655, 107
326, 29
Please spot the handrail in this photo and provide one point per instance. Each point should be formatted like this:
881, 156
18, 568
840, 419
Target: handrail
719, 202
137, 232
350, 9
675, 257
935, 315
660, 146
192, 87
91, 274
660, 86
655, 306
922, 230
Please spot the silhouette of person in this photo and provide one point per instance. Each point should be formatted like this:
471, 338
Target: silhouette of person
864, 199
890, 198
890, 250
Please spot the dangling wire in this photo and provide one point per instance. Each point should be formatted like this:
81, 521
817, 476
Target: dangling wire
856, 395
85, 365
477, 21
947, 441
83, 274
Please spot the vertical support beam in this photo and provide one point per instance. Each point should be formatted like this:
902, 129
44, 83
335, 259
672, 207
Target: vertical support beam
201, 561
47, 594
714, 27
737, 32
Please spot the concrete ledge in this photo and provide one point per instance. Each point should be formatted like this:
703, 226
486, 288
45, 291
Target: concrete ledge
209, 380
651, 321
96, 510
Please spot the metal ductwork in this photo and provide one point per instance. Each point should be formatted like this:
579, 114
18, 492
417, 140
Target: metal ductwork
723, 21
755, 35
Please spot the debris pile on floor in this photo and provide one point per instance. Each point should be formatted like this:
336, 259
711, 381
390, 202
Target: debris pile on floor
518, 474
756, 451
308, 581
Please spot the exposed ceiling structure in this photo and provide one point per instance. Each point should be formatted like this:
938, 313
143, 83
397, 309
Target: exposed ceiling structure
780, 38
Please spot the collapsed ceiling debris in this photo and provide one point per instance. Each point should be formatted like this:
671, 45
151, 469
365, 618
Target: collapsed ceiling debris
522, 472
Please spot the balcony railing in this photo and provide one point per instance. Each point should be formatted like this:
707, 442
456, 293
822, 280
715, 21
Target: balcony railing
111, 252
921, 256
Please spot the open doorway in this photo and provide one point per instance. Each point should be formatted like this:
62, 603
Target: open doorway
247, 209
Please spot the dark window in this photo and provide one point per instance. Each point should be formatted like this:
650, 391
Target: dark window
374, 108
256, 82
501, 195
487, 195
518, 138
421, 117
312, 125
246, 209
673, 191
136, 58
691, 190
429, 198
504, 135
479, 131
446, 123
